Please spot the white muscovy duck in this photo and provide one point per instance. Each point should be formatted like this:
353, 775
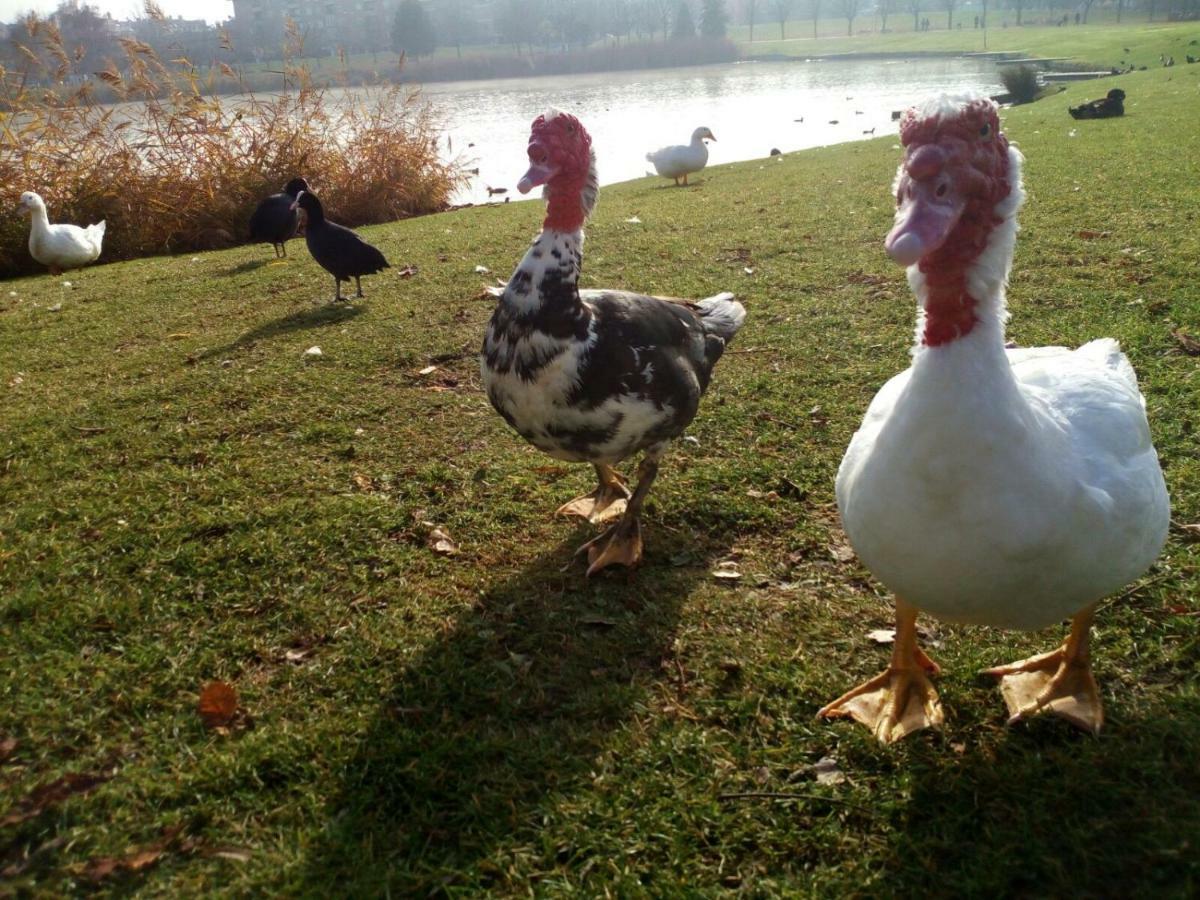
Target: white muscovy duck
1010, 488
60, 247
680, 160
595, 375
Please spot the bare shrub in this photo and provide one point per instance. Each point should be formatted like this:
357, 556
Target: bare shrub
173, 168
1021, 82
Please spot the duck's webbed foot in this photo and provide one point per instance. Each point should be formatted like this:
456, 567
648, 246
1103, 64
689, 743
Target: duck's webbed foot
901, 699
606, 502
1059, 682
622, 543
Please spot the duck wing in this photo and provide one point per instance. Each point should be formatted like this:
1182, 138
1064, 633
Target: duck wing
274, 221
655, 348
341, 252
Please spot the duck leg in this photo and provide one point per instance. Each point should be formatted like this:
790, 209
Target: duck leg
900, 700
685, 179
337, 289
1059, 682
606, 502
358, 284
622, 543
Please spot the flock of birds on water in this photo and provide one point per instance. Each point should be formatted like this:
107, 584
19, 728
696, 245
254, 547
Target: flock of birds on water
987, 484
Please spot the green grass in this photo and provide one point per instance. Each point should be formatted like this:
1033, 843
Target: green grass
1101, 45
186, 498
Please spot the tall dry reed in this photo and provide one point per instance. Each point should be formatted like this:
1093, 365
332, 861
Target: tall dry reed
172, 168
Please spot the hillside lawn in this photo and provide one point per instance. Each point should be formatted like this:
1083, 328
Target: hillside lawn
1102, 45
187, 497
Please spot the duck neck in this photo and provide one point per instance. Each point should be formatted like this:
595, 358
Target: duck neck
39, 218
961, 287
548, 275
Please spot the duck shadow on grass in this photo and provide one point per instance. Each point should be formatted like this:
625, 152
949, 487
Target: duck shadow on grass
250, 265
317, 317
1048, 807
503, 712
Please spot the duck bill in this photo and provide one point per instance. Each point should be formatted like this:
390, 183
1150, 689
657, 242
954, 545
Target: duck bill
537, 175
923, 222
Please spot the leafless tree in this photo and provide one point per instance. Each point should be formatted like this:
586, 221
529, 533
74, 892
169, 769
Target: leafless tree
782, 9
850, 12
816, 15
751, 7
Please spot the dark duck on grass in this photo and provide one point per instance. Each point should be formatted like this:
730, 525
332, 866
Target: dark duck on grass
595, 375
1113, 104
338, 250
276, 219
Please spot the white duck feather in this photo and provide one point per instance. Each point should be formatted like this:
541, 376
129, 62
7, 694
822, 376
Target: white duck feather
1004, 487
60, 247
680, 160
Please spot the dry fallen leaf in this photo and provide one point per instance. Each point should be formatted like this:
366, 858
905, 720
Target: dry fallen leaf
1090, 235
841, 552
408, 271
313, 352
218, 704
827, 771
1190, 345
7, 746
440, 542
428, 370
882, 635
482, 270
51, 794
726, 571
102, 867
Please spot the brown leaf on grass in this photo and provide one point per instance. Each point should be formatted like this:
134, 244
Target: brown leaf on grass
44, 796
1190, 530
441, 543
364, 483
1089, 235
136, 860
841, 552
408, 271
218, 704
7, 746
1189, 344
827, 771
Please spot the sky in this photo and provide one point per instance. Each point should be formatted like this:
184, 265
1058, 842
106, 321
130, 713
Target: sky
211, 10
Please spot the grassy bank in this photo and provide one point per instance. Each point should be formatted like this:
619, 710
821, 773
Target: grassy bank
1091, 46
188, 497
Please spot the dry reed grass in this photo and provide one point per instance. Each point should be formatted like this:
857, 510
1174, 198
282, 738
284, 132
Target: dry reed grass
173, 169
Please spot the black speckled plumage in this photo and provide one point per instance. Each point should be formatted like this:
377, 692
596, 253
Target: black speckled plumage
275, 221
596, 375
337, 249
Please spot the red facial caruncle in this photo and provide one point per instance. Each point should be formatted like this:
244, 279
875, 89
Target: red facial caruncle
955, 172
560, 149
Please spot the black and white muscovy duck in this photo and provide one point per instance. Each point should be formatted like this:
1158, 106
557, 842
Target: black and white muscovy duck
276, 219
1005, 487
595, 375
340, 252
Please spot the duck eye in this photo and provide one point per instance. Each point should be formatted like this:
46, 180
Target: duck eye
986, 130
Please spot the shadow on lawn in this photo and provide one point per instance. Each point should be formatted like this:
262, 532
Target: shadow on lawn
507, 708
1047, 807
318, 317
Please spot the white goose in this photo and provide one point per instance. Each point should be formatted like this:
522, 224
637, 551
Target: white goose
680, 160
60, 247
1005, 488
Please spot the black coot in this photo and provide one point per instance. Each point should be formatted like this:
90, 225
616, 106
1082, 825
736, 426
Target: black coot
276, 220
341, 252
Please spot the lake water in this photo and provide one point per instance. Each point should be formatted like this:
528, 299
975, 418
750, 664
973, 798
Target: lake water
751, 107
